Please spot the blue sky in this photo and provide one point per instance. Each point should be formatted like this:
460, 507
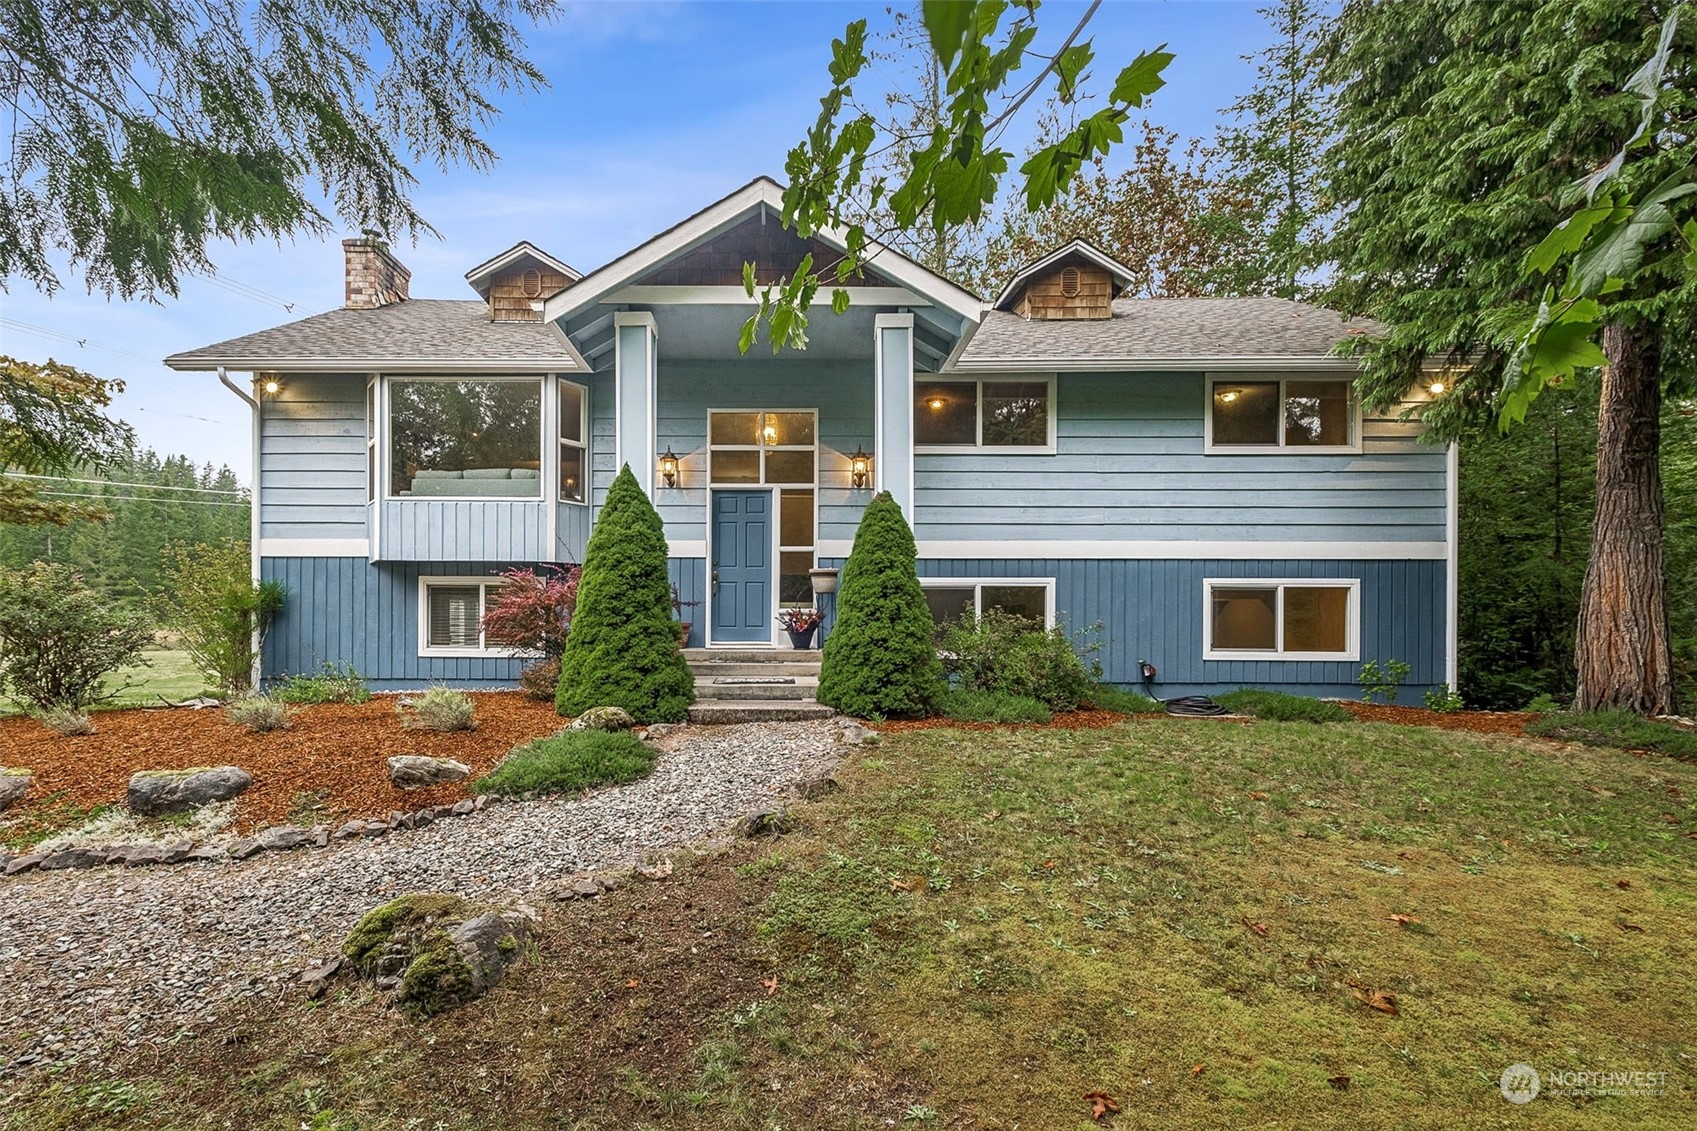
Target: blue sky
655, 110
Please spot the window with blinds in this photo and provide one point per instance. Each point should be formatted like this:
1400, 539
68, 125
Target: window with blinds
453, 615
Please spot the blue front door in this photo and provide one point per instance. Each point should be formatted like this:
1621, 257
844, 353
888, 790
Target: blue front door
742, 566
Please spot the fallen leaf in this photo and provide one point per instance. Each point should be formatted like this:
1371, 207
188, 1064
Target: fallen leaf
1257, 795
1197, 1070
1600, 791
1302, 833
771, 985
1341, 1083
898, 885
1382, 1000
1101, 1105
1259, 928
1048, 863
1405, 855
1401, 920
993, 815
632, 984
1691, 836
1623, 884
1625, 926
1670, 818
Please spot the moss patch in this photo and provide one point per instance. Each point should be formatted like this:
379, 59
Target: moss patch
382, 927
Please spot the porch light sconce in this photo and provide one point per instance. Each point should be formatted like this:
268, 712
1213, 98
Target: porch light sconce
1437, 388
271, 386
669, 467
860, 467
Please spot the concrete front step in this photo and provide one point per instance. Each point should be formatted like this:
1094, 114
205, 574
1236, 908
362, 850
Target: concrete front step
714, 668
753, 655
804, 687
758, 711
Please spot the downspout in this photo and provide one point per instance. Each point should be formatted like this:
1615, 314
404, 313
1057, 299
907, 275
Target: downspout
253, 508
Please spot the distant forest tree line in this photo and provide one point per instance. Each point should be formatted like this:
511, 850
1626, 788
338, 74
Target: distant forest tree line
153, 502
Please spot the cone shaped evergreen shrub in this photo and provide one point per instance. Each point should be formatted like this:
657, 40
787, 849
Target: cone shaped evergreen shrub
622, 650
880, 658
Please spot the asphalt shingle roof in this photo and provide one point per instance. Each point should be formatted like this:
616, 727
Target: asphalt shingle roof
1148, 329
418, 331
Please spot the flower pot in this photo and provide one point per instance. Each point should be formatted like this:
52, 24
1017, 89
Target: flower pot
803, 640
683, 633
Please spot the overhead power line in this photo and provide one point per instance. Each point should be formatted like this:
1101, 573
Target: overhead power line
250, 292
137, 499
83, 343
115, 483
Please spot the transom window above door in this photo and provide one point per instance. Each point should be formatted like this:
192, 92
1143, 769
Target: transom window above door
755, 447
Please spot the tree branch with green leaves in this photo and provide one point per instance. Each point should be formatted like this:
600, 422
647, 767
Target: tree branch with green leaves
953, 176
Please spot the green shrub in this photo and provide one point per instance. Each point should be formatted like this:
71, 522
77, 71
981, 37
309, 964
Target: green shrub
440, 709
58, 638
67, 723
331, 685
880, 659
624, 649
570, 761
1382, 679
1106, 697
1441, 698
258, 713
993, 707
210, 598
1011, 655
1621, 729
1276, 706
1544, 704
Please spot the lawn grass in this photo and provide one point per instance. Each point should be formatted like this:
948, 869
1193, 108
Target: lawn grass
168, 672
978, 928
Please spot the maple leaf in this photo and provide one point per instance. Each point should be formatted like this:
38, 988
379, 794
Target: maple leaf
1260, 929
770, 984
1101, 1105
1382, 1000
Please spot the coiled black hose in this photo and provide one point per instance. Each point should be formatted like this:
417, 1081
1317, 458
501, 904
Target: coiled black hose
1183, 704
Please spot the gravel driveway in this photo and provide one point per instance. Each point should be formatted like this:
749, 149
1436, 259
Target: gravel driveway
135, 954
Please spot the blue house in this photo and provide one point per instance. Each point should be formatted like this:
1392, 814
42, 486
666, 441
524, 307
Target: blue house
1194, 474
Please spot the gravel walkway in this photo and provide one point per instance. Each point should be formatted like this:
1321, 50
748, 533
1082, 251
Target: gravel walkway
137, 954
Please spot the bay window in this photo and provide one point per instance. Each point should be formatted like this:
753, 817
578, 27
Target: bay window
475, 438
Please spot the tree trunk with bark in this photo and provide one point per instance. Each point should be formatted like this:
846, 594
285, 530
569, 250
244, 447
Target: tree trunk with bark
1624, 655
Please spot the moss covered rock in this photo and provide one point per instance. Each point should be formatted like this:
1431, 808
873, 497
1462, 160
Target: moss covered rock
435, 951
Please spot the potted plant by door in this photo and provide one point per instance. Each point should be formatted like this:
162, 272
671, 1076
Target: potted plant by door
801, 624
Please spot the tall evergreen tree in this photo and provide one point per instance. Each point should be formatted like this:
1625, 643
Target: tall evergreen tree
1275, 145
880, 658
1459, 127
624, 649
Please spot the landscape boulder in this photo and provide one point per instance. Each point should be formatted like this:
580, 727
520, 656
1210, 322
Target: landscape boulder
159, 793
13, 785
604, 718
436, 951
417, 771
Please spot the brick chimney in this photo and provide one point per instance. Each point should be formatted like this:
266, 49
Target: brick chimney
374, 277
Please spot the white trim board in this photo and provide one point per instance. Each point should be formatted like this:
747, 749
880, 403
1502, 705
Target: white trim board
314, 547
664, 295
1085, 550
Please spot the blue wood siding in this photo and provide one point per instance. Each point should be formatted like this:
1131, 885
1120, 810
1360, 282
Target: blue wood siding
1152, 610
312, 458
348, 611
840, 390
1129, 465
466, 530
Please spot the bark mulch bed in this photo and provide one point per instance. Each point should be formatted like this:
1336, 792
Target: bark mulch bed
1478, 722
326, 767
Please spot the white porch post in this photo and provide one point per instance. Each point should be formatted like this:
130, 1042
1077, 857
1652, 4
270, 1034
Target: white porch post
635, 338
892, 456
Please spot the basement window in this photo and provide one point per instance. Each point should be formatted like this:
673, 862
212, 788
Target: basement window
1255, 619
451, 616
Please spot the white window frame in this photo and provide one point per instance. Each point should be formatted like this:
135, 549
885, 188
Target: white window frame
563, 443
1352, 617
483, 650
976, 584
1280, 448
978, 383
386, 436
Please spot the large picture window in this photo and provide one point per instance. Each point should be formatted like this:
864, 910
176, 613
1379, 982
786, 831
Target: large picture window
1256, 619
1280, 414
451, 615
1017, 415
475, 439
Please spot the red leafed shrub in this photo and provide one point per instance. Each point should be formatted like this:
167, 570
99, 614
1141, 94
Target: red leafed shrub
532, 610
